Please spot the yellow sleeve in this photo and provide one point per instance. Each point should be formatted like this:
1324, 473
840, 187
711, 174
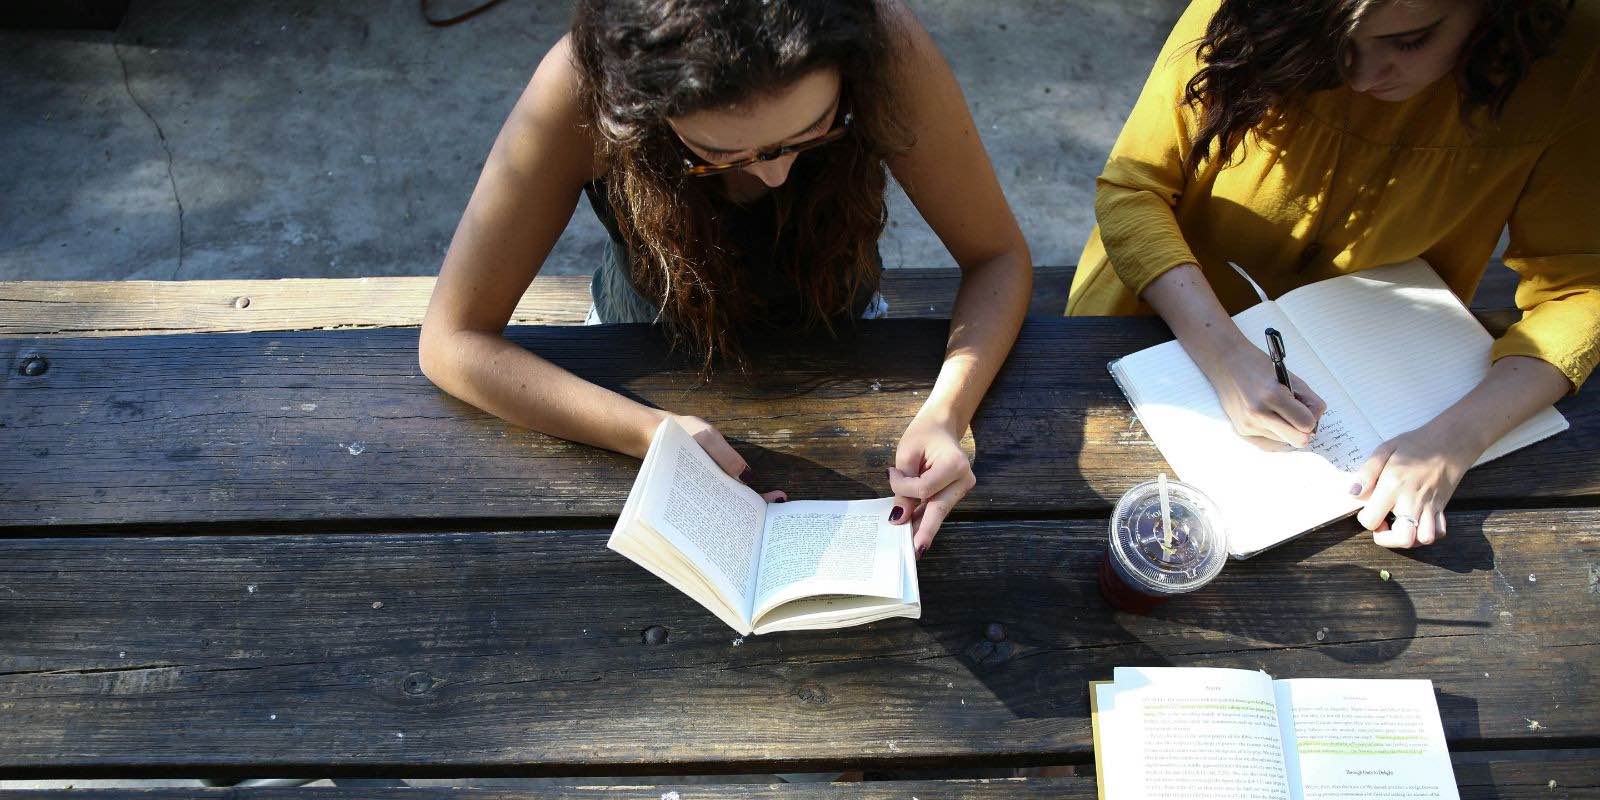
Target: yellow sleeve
1144, 176
1555, 248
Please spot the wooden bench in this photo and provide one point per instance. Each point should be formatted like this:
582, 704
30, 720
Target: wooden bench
123, 308
285, 553
1556, 775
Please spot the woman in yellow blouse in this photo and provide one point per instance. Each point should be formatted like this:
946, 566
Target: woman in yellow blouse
1323, 137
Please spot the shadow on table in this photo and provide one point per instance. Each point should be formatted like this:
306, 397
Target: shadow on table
1344, 611
1055, 633
1463, 551
1347, 611
1459, 713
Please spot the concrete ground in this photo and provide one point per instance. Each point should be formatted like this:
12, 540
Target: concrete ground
308, 139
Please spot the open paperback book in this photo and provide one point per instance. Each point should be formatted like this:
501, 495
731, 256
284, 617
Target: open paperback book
1228, 734
1388, 349
759, 566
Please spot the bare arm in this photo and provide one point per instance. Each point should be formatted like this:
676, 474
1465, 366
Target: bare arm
1415, 474
1186, 302
1516, 388
1243, 376
523, 200
947, 174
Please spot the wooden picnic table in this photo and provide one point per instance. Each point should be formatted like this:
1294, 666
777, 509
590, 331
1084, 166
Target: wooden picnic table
283, 552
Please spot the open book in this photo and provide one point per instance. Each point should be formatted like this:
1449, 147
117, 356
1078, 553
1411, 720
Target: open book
1388, 349
1227, 734
759, 566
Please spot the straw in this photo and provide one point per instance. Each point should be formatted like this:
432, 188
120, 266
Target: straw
1167, 517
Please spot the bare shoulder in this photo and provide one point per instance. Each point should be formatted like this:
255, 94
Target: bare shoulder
919, 76
910, 45
548, 126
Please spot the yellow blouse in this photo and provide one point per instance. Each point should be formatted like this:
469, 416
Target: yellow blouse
1366, 183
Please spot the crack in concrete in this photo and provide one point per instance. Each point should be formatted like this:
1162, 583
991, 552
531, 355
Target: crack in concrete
165, 147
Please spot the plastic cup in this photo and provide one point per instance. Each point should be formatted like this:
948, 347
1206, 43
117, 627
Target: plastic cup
1138, 573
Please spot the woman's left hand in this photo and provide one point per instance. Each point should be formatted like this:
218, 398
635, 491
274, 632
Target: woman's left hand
1413, 476
930, 475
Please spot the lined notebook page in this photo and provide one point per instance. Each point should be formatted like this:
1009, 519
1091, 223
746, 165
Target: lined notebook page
1403, 347
1265, 497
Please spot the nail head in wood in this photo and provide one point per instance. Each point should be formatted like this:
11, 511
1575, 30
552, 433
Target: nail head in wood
654, 635
241, 302
34, 366
417, 683
812, 695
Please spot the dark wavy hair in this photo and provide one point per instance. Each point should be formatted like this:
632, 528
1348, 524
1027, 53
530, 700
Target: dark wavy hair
642, 61
1259, 57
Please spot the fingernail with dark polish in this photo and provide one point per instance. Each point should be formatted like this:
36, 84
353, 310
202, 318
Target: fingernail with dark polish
782, 498
896, 514
1355, 488
921, 550
746, 475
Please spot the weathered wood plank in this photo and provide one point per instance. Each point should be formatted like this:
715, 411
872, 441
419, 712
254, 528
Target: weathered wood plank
993, 789
341, 425
1528, 775
522, 652
120, 308
123, 308
1479, 776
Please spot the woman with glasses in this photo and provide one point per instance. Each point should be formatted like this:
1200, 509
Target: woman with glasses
737, 153
1306, 140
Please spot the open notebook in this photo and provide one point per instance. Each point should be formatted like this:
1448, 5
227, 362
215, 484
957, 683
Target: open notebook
1388, 349
759, 566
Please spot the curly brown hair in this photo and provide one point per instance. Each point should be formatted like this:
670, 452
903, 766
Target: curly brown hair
1259, 57
643, 61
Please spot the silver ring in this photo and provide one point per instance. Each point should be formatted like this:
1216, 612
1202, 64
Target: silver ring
1407, 518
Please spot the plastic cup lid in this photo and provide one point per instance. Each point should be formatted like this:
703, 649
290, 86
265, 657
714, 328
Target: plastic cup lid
1199, 545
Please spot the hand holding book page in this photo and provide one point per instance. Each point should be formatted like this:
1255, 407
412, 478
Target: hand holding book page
1289, 489
1388, 349
1404, 348
760, 566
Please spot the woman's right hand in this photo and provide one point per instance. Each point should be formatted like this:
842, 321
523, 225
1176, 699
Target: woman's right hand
712, 441
1261, 409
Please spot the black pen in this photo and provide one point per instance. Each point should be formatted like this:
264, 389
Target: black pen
1275, 349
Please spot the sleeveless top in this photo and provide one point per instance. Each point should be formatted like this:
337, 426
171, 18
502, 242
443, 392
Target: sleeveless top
753, 230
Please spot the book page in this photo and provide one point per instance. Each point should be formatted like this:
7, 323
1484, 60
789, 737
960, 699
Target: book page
819, 547
1265, 497
1175, 733
1403, 346
713, 519
837, 611
643, 546
1370, 739
1344, 435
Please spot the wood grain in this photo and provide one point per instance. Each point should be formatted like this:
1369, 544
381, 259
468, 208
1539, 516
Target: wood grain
994, 789
1479, 776
1529, 775
522, 652
126, 308
122, 308
334, 426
